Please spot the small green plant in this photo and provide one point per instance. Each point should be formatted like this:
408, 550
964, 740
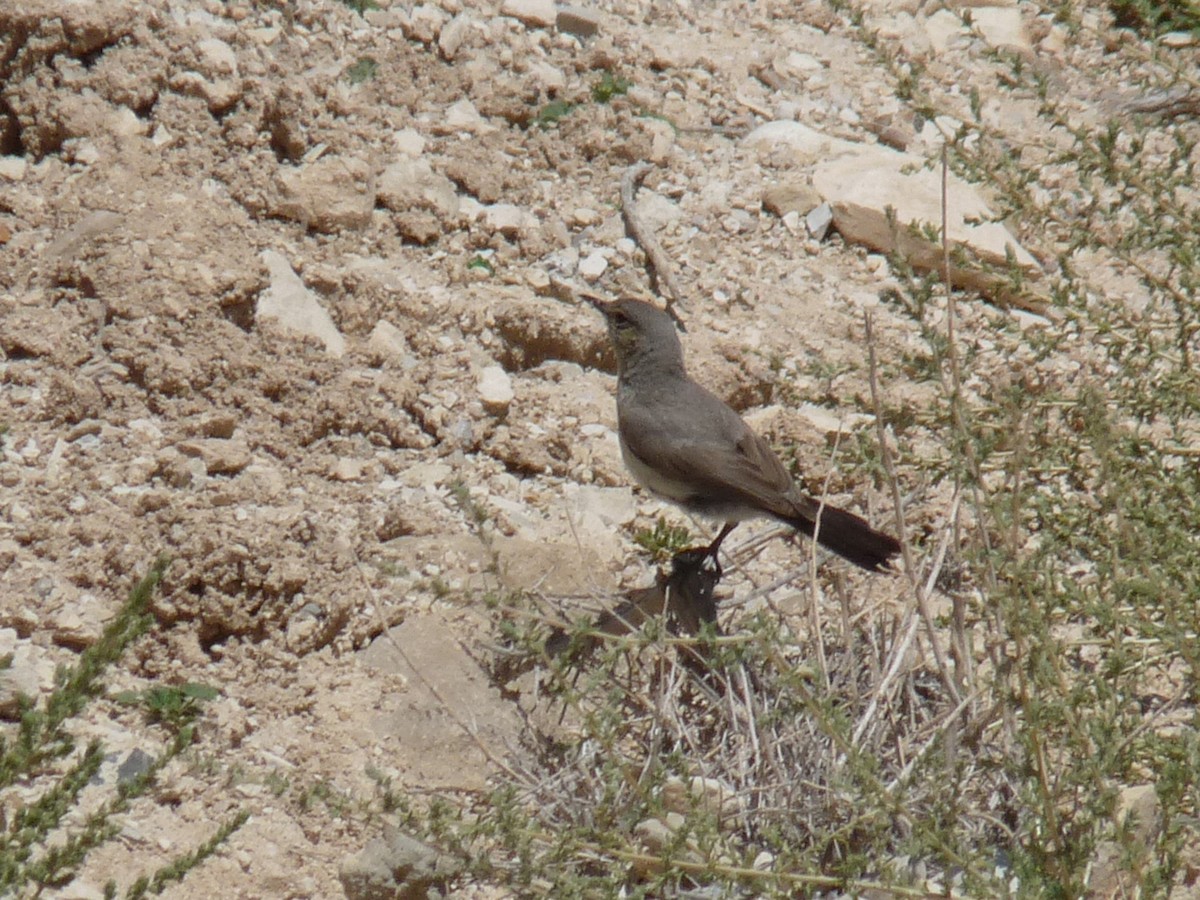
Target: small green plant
551, 113
363, 70
391, 568
610, 86
663, 540
361, 6
1154, 17
176, 705
482, 264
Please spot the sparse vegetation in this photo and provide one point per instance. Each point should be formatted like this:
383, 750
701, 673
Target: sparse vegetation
363, 70
40, 849
663, 541
1057, 667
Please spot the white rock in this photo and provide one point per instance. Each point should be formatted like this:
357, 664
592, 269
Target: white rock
426, 475
425, 23
796, 63
1003, 28
495, 389
12, 168
295, 307
593, 266
453, 35
409, 141
657, 211
332, 193
123, 122
862, 186
1178, 39
387, 340
217, 57
598, 513
539, 13
463, 116
818, 220
808, 144
409, 184
347, 469
944, 29
509, 220
548, 77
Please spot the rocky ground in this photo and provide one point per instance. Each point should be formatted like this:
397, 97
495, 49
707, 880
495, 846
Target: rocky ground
280, 297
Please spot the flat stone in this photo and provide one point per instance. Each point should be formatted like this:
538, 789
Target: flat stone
807, 144
864, 185
944, 30
409, 141
818, 220
387, 340
509, 220
593, 266
219, 455
464, 116
427, 652
578, 20
538, 13
790, 196
426, 474
331, 194
453, 35
217, 57
295, 307
80, 622
348, 469
412, 184
1003, 28
12, 168
424, 24
495, 389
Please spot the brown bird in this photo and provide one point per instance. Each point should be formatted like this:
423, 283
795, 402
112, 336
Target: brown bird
686, 445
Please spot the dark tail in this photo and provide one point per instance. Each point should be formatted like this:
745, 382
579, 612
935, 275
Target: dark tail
851, 538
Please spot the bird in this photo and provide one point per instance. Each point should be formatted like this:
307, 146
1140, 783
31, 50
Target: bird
686, 445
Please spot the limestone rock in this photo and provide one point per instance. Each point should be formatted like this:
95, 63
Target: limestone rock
863, 186
495, 390
387, 341
295, 307
1003, 28
509, 220
395, 867
216, 57
333, 193
593, 266
537, 13
440, 673
578, 20
219, 455
409, 184
790, 196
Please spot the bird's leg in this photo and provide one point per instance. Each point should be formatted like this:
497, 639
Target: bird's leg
716, 544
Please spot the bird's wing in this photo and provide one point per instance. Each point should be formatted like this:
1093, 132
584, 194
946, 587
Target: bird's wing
722, 458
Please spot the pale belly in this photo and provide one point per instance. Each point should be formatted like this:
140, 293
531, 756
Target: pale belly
684, 494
